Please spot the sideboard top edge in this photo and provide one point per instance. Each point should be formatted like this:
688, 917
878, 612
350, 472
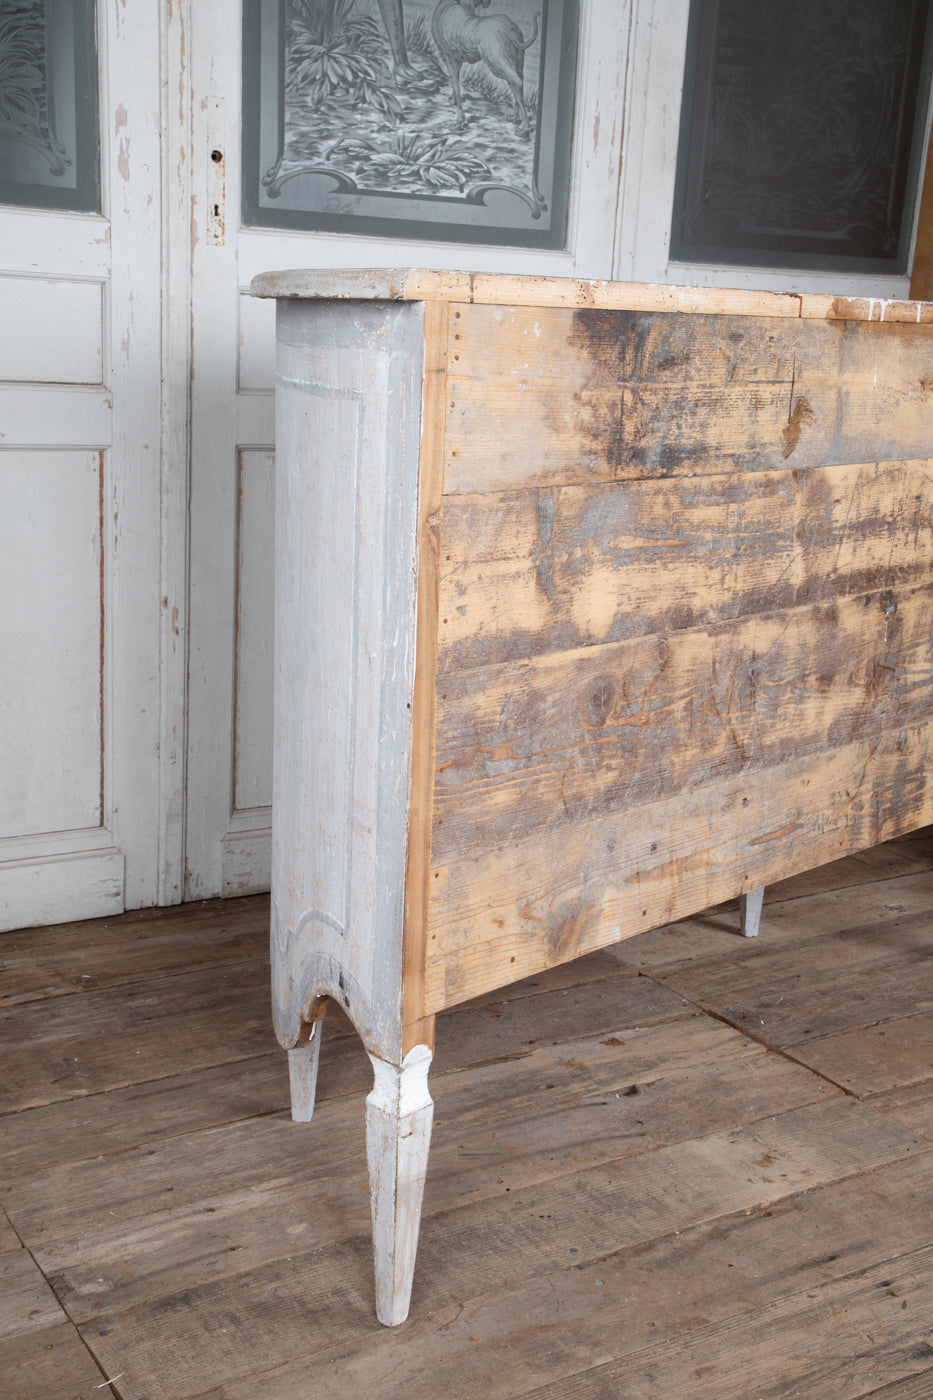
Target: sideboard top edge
508, 289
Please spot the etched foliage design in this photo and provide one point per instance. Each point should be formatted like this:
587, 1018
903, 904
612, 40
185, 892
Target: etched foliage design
26, 107
412, 97
49, 148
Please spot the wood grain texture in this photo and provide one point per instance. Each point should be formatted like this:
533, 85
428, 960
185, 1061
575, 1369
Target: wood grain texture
51, 1363
534, 746
530, 572
828, 1342
701, 1175
510, 912
615, 395
26, 1300
510, 289
311, 1301
417, 1030
70, 1047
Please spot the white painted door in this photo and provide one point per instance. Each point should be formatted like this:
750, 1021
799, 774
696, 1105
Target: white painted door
80, 369
232, 436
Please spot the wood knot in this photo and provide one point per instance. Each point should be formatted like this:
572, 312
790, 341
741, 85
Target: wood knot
801, 413
600, 702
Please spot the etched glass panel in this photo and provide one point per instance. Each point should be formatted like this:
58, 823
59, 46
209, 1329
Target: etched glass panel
441, 119
49, 147
802, 130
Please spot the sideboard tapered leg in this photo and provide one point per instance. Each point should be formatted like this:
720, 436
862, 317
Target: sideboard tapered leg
302, 1074
750, 912
399, 1113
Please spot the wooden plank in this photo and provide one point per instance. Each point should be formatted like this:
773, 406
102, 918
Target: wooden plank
531, 746
872, 309
618, 395
523, 1016
74, 1046
546, 898
121, 1120
915, 1387
26, 1300
299, 1306
8, 1236
143, 944
616, 349
911, 1105
502, 1342
430, 493
855, 899
884, 977
114, 1230
429, 284
832, 1342
873, 1059
51, 1363
533, 572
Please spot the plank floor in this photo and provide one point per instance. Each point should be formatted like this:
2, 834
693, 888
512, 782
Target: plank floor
694, 1165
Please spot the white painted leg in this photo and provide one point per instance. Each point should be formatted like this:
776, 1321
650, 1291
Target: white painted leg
750, 912
399, 1113
302, 1074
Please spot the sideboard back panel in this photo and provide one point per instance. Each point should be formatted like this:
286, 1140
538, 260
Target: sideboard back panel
686, 566
544, 397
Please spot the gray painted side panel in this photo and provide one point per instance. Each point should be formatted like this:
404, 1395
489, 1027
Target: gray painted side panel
348, 429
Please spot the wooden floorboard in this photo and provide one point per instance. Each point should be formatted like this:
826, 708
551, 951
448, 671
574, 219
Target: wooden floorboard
692, 1164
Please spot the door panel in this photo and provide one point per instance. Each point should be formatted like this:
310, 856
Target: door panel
80, 414
232, 437
51, 567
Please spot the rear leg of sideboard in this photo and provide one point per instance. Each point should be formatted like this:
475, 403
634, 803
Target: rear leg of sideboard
303, 1062
750, 912
399, 1114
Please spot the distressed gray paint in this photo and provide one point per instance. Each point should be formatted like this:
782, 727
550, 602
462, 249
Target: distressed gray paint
348, 427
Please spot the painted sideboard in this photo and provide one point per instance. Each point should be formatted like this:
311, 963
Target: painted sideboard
596, 605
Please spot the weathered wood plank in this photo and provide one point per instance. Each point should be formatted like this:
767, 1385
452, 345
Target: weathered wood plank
505, 1341
546, 898
531, 746
616, 395
595, 994
304, 1304
876, 970
121, 1120
346, 531
857, 912
614, 348
832, 1342
873, 1059
532, 572
436, 284
418, 1031
8, 1236
113, 1231
142, 944
26, 1300
73, 1046
911, 1105
51, 1363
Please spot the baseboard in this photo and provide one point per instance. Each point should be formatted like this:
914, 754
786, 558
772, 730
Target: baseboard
56, 889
